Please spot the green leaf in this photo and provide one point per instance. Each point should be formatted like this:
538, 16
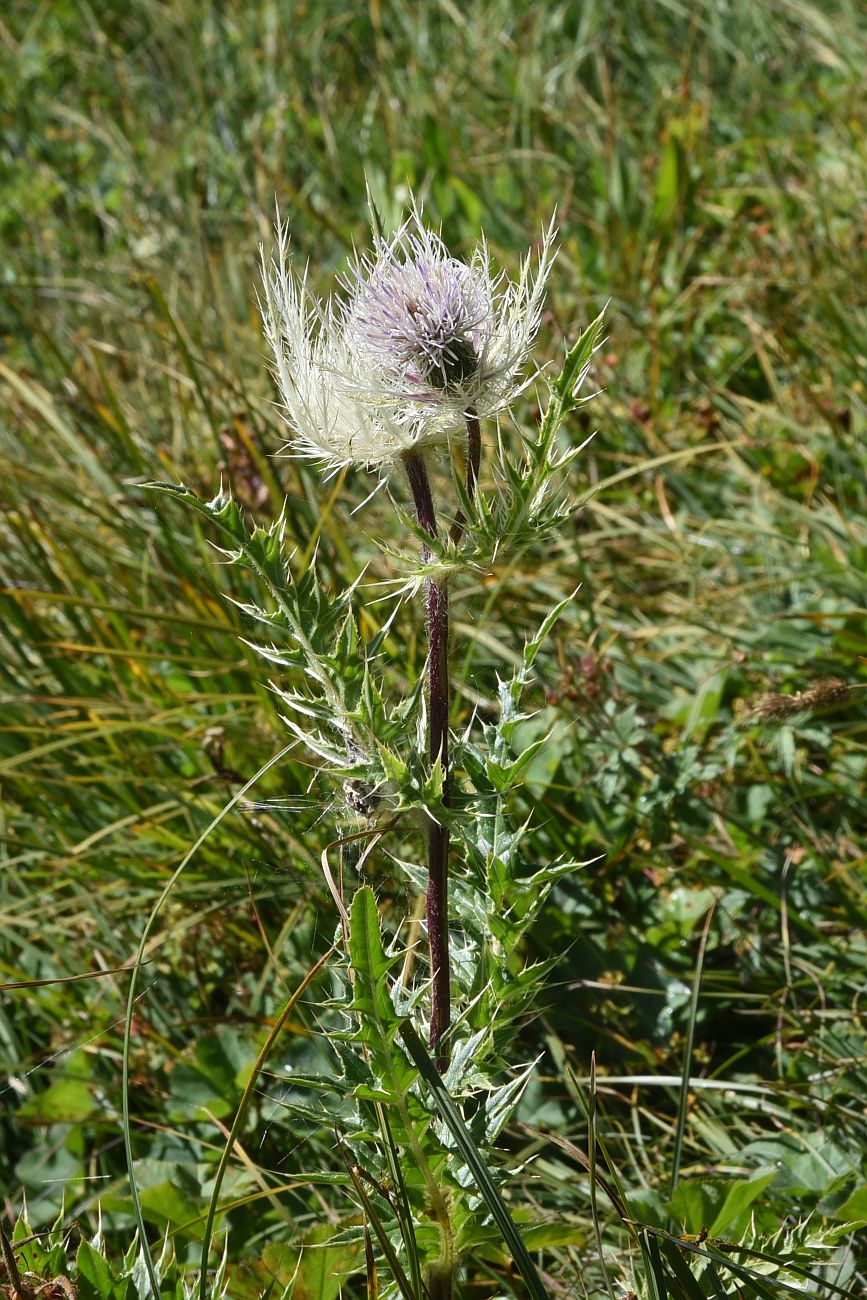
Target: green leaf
694, 1205
575, 370
322, 1267
67, 1100
804, 1162
734, 1212
165, 1204
669, 181
95, 1279
854, 1208
535, 643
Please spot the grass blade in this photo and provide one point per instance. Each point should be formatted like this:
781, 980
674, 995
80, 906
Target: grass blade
591, 1163
246, 1098
130, 1003
687, 1054
485, 1183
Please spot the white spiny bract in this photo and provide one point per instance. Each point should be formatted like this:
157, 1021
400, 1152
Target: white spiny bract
415, 342
310, 366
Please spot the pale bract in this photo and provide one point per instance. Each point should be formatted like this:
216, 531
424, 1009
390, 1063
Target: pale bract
415, 342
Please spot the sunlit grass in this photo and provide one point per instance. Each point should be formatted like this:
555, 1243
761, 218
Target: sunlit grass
709, 170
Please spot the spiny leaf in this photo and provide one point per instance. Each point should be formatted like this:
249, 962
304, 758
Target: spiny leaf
378, 1020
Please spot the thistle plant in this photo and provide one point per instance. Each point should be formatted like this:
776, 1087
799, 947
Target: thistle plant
397, 374
419, 345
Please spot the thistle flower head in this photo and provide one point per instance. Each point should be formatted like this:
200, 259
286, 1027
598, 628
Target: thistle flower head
421, 321
435, 339
414, 343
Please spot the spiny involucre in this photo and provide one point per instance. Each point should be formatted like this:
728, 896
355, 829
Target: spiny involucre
413, 344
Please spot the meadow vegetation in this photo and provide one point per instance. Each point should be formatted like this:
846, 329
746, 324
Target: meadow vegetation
695, 1123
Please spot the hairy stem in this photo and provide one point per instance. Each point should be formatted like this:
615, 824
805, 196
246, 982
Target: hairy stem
438, 748
474, 452
474, 456
441, 1279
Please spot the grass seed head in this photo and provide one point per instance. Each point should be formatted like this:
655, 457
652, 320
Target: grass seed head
827, 693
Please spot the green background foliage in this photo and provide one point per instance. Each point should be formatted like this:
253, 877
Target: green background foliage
709, 169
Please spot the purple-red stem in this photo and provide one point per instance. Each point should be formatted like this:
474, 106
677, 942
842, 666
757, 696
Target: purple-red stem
438, 748
474, 453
